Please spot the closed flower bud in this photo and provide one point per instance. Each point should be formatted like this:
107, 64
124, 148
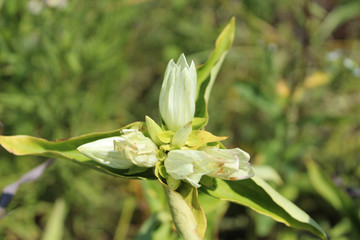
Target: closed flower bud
191, 165
132, 148
229, 164
178, 94
137, 148
103, 151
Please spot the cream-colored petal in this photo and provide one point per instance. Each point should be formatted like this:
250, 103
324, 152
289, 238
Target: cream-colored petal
229, 164
103, 152
188, 165
137, 149
178, 94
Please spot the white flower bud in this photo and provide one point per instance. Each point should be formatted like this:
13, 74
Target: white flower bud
132, 148
137, 148
103, 151
191, 165
229, 164
178, 94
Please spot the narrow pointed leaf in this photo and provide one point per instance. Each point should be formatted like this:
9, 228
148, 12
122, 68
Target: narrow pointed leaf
67, 149
54, 228
201, 137
327, 189
333, 194
190, 194
182, 215
154, 129
214, 209
256, 194
185, 209
338, 16
206, 73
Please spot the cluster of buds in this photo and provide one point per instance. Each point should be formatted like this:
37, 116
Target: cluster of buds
185, 153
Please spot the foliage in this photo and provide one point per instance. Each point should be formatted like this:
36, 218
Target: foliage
285, 94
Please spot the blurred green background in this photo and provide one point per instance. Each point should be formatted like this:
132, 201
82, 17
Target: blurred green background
288, 93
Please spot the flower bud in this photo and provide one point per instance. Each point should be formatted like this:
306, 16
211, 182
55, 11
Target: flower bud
189, 165
229, 164
178, 94
137, 148
132, 148
103, 151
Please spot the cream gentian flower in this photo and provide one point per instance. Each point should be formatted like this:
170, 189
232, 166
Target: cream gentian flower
103, 151
137, 148
132, 148
178, 94
191, 165
229, 164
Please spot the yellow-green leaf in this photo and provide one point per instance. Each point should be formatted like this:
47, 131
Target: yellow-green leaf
185, 209
67, 149
54, 228
165, 136
206, 73
201, 137
154, 129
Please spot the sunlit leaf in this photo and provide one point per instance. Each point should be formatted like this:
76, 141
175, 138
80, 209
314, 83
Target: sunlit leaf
206, 73
200, 137
67, 149
256, 194
187, 214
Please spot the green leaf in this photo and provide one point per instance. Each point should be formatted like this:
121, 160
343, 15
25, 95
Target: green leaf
172, 182
67, 149
190, 194
214, 209
206, 73
268, 174
201, 137
265, 104
256, 194
166, 136
333, 194
188, 217
154, 129
157, 226
187, 214
154, 195
198, 123
55, 225
337, 17
328, 190
127, 213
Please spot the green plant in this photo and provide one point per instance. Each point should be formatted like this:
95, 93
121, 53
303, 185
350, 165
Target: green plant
131, 143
